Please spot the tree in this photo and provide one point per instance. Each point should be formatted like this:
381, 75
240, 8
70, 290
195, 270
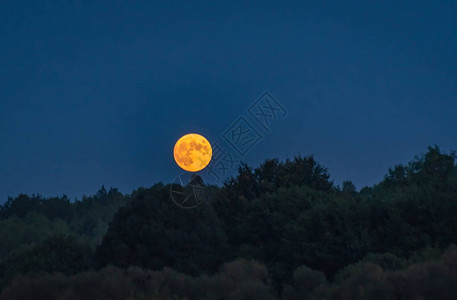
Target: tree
33, 228
305, 280
348, 188
152, 232
58, 253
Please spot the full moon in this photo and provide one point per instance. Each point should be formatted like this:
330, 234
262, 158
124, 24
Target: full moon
192, 152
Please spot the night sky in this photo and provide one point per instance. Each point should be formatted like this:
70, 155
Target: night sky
98, 93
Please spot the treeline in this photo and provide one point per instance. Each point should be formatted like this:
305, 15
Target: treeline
247, 280
27, 221
282, 230
53, 234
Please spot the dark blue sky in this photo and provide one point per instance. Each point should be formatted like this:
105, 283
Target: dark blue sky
97, 93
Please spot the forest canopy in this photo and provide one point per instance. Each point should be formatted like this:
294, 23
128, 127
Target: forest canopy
281, 230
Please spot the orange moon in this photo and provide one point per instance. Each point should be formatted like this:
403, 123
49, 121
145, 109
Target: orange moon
192, 152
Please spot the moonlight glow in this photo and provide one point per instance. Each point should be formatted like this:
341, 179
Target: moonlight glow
192, 152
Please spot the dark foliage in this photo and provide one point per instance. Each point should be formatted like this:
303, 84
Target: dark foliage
26, 220
52, 207
308, 238
244, 280
152, 232
59, 253
235, 280
286, 225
